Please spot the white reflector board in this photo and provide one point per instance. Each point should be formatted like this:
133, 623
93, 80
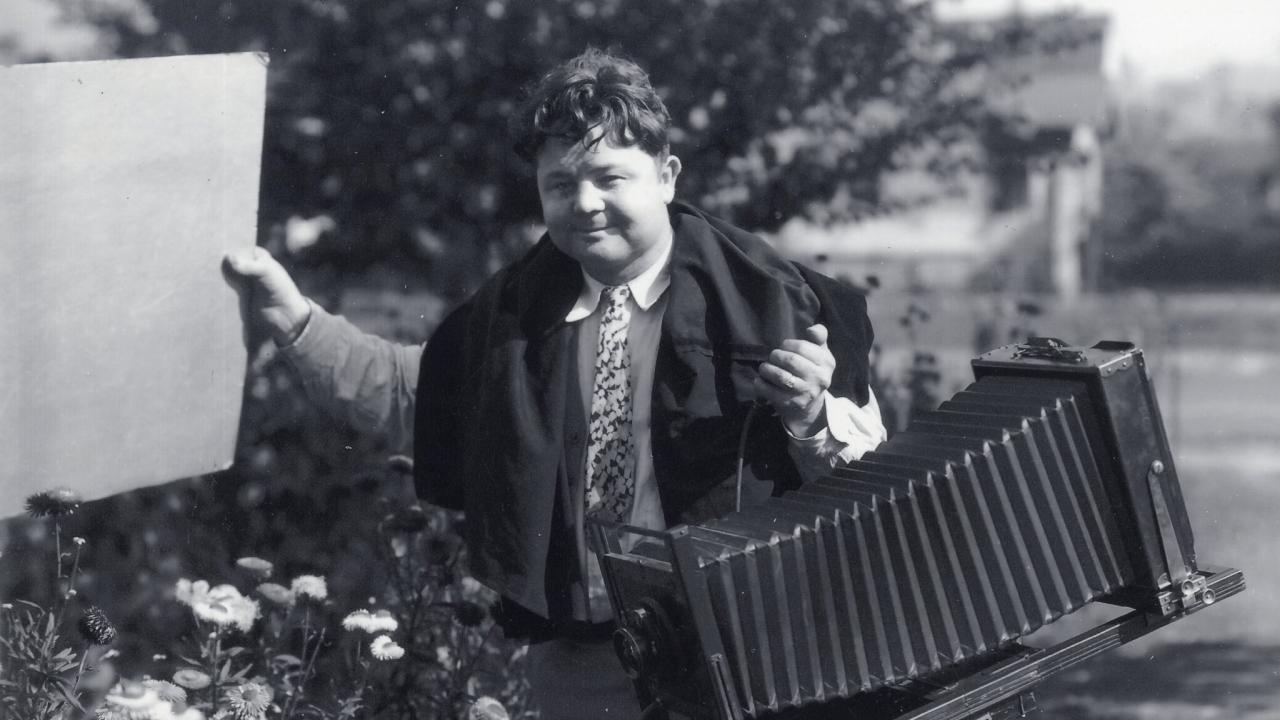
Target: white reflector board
122, 186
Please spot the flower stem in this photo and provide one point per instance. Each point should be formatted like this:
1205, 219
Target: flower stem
214, 650
84, 657
57, 544
306, 632
364, 674
75, 569
315, 652
71, 584
306, 669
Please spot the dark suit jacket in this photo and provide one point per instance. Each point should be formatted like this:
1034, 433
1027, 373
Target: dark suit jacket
495, 382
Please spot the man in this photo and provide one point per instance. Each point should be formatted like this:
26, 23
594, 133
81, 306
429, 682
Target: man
610, 370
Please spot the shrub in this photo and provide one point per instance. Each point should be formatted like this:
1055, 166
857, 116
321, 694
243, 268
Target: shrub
260, 647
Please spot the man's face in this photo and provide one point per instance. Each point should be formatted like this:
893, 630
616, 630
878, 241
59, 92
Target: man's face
605, 205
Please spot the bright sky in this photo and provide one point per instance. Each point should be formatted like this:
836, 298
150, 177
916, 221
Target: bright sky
33, 23
1161, 38
1165, 38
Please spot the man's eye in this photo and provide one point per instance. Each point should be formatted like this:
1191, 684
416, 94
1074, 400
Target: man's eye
611, 180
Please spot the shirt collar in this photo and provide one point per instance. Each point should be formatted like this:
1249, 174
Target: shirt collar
645, 288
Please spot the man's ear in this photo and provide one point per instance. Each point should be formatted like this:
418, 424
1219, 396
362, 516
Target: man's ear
668, 170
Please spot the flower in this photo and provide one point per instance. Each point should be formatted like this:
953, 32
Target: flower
278, 594
79, 541
248, 701
384, 622
310, 586
190, 593
132, 701
53, 503
192, 679
166, 690
358, 620
224, 606
384, 648
381, 622
257, 566
95, 627
486, 708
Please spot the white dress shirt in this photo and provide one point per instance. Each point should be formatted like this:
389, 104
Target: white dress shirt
851, 430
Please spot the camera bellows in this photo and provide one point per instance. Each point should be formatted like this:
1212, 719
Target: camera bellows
979, 524
1044, 485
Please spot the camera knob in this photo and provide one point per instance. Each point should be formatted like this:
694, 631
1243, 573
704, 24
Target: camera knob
633, 642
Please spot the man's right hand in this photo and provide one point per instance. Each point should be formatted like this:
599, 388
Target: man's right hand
274, 299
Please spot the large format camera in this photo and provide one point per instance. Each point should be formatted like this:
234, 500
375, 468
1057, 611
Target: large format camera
900, 584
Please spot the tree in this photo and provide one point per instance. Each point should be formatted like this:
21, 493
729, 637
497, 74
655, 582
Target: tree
1185, 213
390, 117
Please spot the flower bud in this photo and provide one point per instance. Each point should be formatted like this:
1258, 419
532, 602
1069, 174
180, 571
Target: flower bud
96, 628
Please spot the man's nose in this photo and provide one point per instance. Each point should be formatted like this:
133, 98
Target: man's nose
588, 198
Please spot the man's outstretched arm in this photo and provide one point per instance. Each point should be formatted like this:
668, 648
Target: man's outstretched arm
369, 382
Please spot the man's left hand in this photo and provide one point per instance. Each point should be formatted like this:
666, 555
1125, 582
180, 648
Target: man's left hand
794, 380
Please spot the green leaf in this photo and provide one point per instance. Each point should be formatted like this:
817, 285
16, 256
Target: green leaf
66, 692
286, 659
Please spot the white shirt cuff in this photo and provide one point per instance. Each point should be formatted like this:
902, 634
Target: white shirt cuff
851, 431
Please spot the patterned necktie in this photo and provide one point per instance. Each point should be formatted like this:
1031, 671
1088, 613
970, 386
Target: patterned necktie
610, 447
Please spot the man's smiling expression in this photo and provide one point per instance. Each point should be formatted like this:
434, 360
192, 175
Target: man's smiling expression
605, 205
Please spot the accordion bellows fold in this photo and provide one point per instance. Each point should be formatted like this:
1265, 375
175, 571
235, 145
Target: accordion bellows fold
978, 524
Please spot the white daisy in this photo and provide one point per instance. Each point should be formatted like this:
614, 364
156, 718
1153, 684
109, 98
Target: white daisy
358, 620
248, 700
310, 586
191, 592
132, 701
192, 679
224, 606
166, 690
256, 565
487, 708
382, 621
278, 594
384, 648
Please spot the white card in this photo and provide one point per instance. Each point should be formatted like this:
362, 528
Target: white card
122, 186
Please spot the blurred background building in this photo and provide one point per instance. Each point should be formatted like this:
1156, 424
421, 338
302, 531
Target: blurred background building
1024, 218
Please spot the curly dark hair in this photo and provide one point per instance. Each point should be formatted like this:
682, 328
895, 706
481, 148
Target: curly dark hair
596, 89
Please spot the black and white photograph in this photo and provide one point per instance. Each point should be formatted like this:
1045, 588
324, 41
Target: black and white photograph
639, 359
